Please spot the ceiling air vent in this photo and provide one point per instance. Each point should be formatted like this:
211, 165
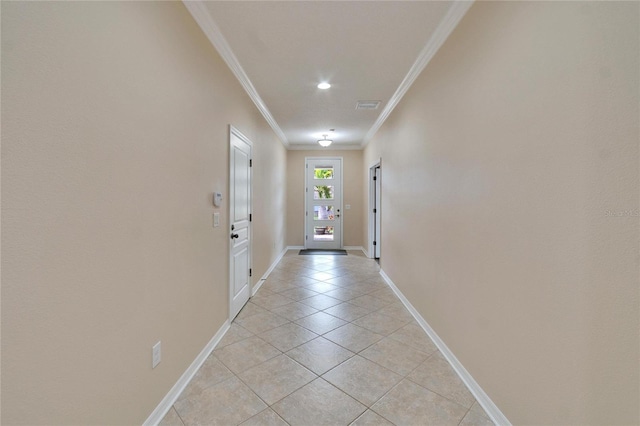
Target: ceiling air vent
367, 104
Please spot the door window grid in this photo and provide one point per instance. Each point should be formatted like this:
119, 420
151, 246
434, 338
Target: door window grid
323, 228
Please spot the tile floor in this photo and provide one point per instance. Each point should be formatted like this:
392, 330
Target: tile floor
325, 342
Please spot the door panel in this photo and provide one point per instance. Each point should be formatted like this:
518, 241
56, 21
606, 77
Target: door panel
240, 224
323, 203
241, 270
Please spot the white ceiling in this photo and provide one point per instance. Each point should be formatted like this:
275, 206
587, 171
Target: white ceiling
367, 50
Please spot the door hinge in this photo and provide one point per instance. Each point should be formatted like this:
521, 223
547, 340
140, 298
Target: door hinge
250, 217
250, 162
306, 213
374, 243
375, 178
375, 210
250, 272
306, 237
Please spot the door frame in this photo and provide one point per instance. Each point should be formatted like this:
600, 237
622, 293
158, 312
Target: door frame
374, 198
306, 185
235, 132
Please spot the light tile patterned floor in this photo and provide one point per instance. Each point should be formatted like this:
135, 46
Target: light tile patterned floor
325, 342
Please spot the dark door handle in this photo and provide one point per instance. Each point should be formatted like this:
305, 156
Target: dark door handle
234, 236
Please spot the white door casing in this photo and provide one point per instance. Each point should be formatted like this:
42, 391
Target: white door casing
375, 209
323, 203
239, 220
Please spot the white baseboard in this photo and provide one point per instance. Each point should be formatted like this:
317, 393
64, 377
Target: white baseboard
483, 399
257, 286
167, 402
266, 274
294, 248
355, 248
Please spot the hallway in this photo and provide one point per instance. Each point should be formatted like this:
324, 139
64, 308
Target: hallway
325, 341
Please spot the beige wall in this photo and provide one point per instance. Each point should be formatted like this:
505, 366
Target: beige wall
114, 135
352, 194
499, 168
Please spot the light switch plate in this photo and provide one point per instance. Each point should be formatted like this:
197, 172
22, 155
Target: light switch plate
216, 219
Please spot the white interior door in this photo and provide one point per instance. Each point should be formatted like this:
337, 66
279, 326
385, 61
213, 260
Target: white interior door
323, 203
240, 221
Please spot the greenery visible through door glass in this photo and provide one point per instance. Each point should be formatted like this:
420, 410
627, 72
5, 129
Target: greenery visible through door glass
323, 173
323, 191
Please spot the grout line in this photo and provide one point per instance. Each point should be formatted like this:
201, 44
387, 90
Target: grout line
385, 394
437, 393
173, 407
489, 407
366, 276
254, 392
350, 396
465, 414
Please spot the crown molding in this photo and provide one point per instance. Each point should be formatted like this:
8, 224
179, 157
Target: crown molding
450, 21
332, 147
203, 18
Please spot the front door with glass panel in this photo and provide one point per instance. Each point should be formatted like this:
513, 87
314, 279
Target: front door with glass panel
323, 203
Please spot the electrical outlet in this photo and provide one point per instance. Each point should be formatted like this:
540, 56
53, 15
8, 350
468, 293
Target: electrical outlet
156, 354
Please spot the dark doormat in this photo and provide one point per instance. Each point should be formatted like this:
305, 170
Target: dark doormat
325, 252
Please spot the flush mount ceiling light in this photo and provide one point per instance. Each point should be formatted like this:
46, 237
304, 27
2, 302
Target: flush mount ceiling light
324, 86
325, 142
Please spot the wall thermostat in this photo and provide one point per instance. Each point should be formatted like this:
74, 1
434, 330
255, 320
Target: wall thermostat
217, 199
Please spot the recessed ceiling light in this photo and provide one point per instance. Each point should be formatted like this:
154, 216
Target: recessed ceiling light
324, 86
